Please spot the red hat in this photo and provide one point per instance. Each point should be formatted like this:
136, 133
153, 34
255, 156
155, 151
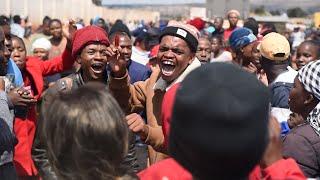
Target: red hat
88, 35
198, 23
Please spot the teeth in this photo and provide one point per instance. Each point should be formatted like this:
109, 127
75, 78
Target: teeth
96, 65
168, 63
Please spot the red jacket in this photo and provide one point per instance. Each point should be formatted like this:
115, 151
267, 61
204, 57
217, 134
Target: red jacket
25, 129
166, 111
170, 169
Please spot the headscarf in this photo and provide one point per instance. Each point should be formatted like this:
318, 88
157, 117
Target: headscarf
309, 76
42, 43
233, 11
240, 38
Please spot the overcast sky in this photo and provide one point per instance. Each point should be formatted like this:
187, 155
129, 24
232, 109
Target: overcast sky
134, 2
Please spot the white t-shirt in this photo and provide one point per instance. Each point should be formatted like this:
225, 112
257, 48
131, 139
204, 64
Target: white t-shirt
225, 56
139, 57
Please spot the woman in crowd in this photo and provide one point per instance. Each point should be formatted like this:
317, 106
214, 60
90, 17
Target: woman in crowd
87, 135
218, 52
303, 142
33, 70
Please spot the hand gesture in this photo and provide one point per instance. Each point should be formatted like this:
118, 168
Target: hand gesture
137, 125
68, 30
251, 68
21, 97
116, 61
295, 120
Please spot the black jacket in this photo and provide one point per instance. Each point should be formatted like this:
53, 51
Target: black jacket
39, 155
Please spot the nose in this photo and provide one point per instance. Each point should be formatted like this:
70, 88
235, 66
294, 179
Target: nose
15, 52
99, 56
203, 53
301, 59
125, 51
168, 55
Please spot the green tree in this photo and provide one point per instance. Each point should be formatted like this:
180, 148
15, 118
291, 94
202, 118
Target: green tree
296, 12
260, 10
275, 12
97, 2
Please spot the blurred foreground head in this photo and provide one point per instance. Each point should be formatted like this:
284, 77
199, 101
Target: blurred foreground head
219, 128
86, 134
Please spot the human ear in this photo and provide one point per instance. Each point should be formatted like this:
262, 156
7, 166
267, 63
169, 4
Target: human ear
309, 99
192, 57
78, 59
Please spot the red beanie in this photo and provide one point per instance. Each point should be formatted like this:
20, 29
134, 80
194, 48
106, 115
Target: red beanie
166, 111
198, 23
88, 35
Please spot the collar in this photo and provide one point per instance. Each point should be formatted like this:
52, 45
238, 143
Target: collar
161, 84
287, 76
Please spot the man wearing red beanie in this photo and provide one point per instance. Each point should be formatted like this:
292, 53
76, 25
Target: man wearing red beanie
89, 49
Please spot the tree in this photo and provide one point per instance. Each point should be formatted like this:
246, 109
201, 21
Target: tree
260, 10
296, 12
97, 2
275, 13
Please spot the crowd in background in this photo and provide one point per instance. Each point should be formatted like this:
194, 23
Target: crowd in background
158, 100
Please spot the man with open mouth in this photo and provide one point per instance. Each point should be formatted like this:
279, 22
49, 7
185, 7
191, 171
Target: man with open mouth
176, 58
89, 49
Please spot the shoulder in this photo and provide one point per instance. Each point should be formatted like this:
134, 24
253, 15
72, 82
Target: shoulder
287, 76
62, 85
307, 132
301, 138
137, 66
168, 169
32, 60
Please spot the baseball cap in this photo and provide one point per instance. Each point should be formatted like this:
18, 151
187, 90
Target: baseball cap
274, 47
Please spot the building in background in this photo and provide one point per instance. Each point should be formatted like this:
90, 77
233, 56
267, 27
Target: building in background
221, 7
128, 10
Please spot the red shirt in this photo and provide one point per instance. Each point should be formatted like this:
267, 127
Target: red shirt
227, 33
169, 169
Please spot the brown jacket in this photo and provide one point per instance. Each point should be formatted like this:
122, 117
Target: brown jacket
147, 95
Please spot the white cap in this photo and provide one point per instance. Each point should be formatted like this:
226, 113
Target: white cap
42, 43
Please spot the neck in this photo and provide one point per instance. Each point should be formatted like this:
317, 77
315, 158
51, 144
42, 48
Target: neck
217, 53
232, 27
308, 109
87, 79
140, 49
56, 40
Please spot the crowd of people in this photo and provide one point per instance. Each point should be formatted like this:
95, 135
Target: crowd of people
169, 100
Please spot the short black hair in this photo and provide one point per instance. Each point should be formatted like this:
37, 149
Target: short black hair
270, 27
46, 19
218, 37
55, 20
119, 33
252, 24
4, 20
314, 43
17, 19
